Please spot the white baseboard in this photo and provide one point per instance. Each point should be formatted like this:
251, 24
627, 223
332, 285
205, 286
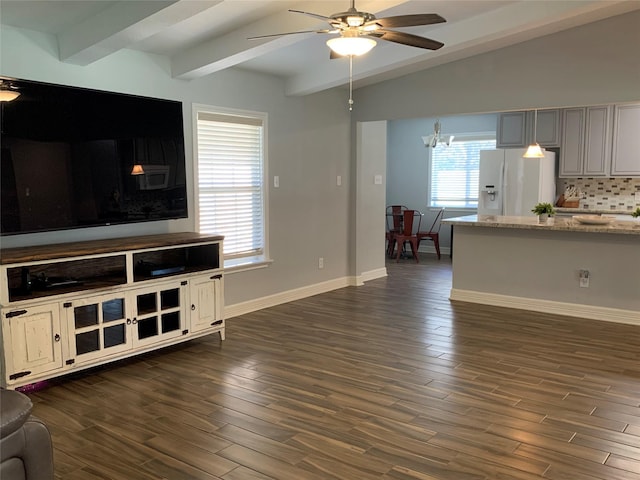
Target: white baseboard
548, 306
370, 275
249, 306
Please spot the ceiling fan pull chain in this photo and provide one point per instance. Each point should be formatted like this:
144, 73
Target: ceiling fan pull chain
350, 83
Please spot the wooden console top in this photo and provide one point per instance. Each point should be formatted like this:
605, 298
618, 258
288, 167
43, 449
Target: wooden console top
93, 247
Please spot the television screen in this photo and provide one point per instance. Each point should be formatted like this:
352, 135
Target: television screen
73, 158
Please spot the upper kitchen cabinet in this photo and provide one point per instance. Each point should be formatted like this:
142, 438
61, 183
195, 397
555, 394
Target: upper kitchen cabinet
586, 142
626, 141
512, 130
516, 129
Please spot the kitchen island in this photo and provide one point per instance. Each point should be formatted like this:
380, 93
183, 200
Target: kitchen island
519, 263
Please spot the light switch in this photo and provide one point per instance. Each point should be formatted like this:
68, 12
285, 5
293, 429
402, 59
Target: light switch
377, 180
276, 181
338, 180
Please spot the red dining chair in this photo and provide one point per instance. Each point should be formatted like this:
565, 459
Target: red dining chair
410, 226
394, 225
433, 233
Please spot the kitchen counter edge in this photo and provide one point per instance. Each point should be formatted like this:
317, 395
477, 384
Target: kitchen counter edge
624, 227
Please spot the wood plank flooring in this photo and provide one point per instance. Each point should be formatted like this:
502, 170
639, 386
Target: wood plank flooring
388, 381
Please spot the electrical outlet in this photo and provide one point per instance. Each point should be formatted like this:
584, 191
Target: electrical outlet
584, 278
320, 262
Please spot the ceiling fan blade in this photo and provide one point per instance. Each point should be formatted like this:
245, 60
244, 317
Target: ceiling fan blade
334, 22
408, 39
409, 20
289, 33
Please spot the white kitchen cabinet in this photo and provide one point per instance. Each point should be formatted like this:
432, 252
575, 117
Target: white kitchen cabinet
626, 141
516, 129
586, 142
73, 306
32, 341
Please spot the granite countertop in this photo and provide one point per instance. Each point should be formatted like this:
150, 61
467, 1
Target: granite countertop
591, 211
567, 224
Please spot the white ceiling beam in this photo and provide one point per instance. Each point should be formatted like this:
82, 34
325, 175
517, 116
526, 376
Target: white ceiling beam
121, 25
513, 23
234, 48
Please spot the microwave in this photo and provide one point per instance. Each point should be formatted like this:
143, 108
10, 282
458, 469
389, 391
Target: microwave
155, 177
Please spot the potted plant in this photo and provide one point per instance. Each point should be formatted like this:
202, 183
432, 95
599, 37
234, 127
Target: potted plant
544, 211
636, 213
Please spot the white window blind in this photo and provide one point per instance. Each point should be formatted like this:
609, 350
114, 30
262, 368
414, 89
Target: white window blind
454, 172
231, 181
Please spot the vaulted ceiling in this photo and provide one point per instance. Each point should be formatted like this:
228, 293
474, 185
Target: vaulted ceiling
202, 37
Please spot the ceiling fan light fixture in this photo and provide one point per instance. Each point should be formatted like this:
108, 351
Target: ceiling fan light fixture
355, 20
348, 46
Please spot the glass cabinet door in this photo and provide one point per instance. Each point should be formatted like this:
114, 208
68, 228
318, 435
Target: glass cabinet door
98, 326
159, 313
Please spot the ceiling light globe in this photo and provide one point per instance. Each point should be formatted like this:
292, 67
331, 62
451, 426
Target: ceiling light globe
351, 45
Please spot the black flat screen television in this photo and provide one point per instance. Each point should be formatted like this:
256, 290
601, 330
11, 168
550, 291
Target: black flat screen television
67, 157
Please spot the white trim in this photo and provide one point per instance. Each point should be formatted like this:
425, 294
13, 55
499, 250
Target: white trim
370, 275
237, 309
548, 306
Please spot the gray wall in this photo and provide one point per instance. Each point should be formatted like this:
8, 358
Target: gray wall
408, 162
309, 145
592, 64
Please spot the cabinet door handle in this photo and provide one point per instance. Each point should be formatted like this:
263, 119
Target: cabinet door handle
128, 321
57, 337
135, 320
193, 307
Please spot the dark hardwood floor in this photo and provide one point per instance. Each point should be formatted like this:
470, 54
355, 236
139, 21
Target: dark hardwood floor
385, 381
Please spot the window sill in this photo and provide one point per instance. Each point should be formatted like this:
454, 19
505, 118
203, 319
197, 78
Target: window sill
244, 264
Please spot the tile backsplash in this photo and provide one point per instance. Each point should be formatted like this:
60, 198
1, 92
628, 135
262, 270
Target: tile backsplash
616, 194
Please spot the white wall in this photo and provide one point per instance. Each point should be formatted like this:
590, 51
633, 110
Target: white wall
309, 144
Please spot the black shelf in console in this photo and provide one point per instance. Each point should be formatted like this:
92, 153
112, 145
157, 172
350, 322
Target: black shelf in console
45, 279
153, 264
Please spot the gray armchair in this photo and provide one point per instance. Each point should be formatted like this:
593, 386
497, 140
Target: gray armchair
25, 442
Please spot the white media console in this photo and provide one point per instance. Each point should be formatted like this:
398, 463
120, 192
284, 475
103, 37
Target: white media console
67, 307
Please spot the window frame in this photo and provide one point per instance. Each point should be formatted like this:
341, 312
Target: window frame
242, 263
459, 137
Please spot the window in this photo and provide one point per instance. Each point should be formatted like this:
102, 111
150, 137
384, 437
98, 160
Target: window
231, 181
454, 171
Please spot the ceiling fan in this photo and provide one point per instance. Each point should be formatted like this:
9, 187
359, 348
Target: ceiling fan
357, 32
361, 28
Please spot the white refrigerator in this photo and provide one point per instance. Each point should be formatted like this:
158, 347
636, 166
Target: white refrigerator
512, 185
